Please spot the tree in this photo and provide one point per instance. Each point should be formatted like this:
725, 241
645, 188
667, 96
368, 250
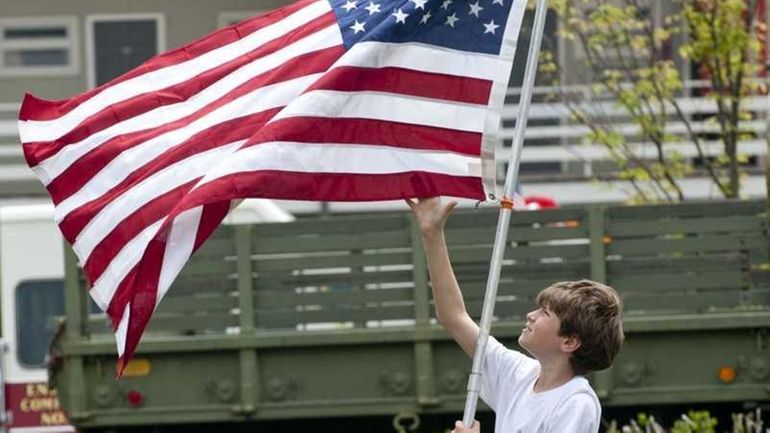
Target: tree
630, 60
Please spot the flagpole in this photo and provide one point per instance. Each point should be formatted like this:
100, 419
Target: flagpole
474, 381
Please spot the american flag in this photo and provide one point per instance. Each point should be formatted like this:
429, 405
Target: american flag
339, 100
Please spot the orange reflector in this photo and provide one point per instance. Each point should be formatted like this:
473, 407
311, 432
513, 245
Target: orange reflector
137, 367
726, 374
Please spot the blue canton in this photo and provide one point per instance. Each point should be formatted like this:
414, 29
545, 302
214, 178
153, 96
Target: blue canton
468, 25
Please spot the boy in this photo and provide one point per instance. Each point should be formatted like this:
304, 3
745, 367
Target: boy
576, 328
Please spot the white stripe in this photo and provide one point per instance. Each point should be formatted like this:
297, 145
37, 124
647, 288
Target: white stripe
387, 107
104, 288
139, 195
54, 165
34, 131
343, 158
426, 58
121, 332
122, 166
179, 247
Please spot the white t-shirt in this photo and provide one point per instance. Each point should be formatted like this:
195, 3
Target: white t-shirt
508, 388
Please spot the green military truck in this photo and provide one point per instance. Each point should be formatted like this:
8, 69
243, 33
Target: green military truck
332, 317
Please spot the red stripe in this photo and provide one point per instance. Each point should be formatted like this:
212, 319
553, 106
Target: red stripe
81, 171
407, 82
130, 227
330, 187
36, 152
143, 295
34, 108
212, 215
368, 131
219, 135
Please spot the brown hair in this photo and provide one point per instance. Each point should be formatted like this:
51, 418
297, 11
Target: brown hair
591, 311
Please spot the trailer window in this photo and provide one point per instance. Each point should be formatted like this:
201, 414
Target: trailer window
37, 303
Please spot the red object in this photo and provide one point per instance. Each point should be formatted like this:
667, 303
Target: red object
540, 202
134, 398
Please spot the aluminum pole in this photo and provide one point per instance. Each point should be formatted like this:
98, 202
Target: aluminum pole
474, 381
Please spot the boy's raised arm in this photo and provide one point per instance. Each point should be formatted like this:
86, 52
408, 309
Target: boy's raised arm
431, 214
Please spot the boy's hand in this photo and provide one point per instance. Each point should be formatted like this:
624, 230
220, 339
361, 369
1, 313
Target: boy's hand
431, 213
460, 427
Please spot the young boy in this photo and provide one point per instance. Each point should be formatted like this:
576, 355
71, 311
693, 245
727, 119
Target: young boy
576, 328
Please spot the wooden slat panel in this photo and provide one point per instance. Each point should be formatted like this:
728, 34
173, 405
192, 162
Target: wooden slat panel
216, 247
484, 253
669, 264
185, 285
209, 303
266, 264
488, 218
690, 302
697, 210
294, 244
487, 237
192, 323
336, 225
274, 280
732, 224
687, 245
204, 266
284, 318
285, 298
720, 279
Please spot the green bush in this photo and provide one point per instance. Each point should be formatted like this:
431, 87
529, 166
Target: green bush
692, 422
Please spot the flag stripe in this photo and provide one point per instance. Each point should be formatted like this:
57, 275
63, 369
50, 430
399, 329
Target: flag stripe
421, 57
32, 131
112, 174
180, 96
390, 107
406, 82
226, 132
368, 131
344, 158
333, 186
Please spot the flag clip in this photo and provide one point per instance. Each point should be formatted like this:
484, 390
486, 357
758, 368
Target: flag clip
506, 203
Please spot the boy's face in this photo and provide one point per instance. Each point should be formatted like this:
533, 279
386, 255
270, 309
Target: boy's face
540, 336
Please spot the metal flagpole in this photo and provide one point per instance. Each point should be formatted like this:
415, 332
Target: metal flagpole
474, 381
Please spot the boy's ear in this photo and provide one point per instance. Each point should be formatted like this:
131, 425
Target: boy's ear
570, 344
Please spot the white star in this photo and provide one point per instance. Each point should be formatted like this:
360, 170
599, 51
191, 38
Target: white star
425, 17
357, 27
349, 5
475, 9
446, 4
451, 19
490, 27
400, 16
419, 4
373, 8
498, 2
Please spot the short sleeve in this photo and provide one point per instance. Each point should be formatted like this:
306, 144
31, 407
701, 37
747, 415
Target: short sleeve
579, 413
499, 370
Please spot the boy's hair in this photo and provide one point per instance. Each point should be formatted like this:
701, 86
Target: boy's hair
591, 311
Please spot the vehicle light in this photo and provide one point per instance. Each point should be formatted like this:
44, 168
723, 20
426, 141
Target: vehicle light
727, 374
134, 398
137, 367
